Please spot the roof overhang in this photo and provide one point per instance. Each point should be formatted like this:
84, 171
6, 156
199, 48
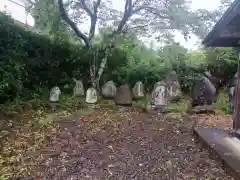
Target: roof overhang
226, 32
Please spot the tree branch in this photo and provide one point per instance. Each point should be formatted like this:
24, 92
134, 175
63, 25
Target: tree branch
86, 8
135, 27
94, 19
73, 25
152, 10
144, 8
97, 5
128, 11
136, 2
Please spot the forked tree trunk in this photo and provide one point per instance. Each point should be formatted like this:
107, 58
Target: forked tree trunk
96, 74
103, 63
101, 70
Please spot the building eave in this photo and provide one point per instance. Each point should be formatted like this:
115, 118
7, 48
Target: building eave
221, 24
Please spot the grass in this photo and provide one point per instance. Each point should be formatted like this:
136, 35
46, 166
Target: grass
175, 107
221, 105
143, 101
179, 107
222, 101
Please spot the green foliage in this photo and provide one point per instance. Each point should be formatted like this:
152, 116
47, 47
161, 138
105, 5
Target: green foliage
48, 21
222, 61
179, 107
222, 101
31, 63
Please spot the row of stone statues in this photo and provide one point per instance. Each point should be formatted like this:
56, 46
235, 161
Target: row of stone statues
122, 95
204, 92
163, 92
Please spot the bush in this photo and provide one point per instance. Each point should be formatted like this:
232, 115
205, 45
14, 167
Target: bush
30, 61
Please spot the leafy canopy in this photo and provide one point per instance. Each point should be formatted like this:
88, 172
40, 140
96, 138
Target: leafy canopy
156, 18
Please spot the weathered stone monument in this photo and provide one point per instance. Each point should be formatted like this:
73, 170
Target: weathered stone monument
203, 92
123, 96
159, 96
78, 89
174, 92
138, 90
54, 94
215, 81
91, 96
109, 90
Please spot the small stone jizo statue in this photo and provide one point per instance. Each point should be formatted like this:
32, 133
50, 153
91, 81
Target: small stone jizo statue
138, 90
54, 94
78, 89
91, 96
159, 96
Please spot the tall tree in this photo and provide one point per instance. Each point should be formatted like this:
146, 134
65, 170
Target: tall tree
47, 18
157, 18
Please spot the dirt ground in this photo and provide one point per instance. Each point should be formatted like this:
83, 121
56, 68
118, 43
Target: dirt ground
127, 145
118, 144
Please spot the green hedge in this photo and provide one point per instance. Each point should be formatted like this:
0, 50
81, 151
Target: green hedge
31, 62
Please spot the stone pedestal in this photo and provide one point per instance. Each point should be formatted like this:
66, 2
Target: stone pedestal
222, 144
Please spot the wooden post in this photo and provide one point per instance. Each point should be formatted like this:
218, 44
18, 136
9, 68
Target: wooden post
236, 115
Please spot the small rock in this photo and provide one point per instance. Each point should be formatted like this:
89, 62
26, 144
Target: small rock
169, 164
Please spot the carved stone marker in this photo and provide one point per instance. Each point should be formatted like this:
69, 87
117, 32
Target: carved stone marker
159, 96
123, 96
215, 81
54, 94
78, 89
203, 93
138, 90
91, 96
173, 87
109, 90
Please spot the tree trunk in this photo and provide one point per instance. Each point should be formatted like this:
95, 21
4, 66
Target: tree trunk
101, 70
97, 74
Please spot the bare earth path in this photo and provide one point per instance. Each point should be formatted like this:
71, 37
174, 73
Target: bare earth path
127, 146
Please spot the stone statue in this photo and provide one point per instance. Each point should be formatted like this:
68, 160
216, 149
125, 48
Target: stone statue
138, 90
159, 96
173, 87
203, 92
123, 96
54, 94
91, 96
78, 89
109, 90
